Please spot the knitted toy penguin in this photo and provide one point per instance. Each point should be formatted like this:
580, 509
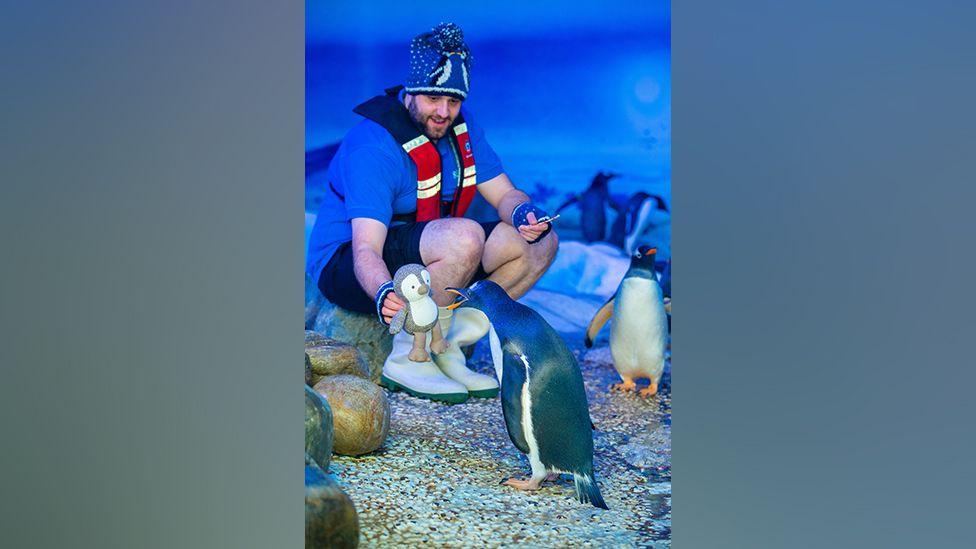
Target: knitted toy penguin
419, 315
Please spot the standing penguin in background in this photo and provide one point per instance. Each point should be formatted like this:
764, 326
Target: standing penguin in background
640, 327
543, 399
634, 219
592, 204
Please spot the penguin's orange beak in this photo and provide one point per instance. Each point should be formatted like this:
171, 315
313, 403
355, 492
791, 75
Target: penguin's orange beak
461, 298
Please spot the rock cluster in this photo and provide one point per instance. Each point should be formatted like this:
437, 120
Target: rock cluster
345, 413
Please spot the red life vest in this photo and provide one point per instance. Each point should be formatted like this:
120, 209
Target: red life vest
387, 111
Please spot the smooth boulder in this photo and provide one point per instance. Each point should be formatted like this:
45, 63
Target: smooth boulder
330, 516
364, 332
318, 428
360, 413
330, 357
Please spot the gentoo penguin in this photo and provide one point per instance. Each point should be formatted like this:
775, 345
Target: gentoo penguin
592, 204
666, 289
640, 326
419, 314
543, 399
634, 219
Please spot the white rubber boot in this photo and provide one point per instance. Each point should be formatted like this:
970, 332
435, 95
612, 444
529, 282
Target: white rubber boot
420, 379
466, 327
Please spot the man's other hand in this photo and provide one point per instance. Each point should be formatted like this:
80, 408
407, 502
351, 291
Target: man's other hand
533, 230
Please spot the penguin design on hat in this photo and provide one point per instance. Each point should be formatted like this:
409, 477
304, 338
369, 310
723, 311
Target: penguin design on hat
411, 283
440, 63
639, 332
543, 399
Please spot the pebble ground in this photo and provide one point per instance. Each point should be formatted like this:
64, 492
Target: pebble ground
436, 479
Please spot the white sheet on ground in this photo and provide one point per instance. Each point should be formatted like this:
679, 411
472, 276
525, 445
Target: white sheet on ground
580, 280
581, 268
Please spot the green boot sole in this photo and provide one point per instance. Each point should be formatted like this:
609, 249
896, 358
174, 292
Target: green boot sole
484, 393
447, 398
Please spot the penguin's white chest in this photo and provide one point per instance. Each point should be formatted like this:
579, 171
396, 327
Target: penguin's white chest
423, 311
638, 334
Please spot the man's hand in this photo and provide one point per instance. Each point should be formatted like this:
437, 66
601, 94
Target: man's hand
533, 230
387, 302
391, 306
525, 218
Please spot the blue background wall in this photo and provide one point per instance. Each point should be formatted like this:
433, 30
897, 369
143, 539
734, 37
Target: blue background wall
562, 90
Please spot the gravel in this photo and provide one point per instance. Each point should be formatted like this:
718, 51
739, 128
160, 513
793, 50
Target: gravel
436, 478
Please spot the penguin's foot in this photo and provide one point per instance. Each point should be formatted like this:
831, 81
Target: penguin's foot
650, 391
419, 355
523, 484
627, 385
439, 346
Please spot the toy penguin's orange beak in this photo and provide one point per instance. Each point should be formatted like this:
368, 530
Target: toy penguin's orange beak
461, 298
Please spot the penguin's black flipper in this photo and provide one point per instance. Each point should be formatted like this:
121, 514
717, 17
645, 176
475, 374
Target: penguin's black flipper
511, 392
599, 319
572, 200
587, 490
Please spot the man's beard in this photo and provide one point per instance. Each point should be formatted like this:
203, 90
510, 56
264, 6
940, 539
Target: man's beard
421, 123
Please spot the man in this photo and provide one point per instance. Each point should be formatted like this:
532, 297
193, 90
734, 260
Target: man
399, 186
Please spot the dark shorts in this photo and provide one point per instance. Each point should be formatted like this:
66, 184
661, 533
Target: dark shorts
338, 280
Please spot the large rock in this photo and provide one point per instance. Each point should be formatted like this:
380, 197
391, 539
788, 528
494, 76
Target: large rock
318, 428
330, 517
360, 413
308, 371
364, 332
313, 301
330, 357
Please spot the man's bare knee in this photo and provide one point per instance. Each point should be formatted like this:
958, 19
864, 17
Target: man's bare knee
544, 252
456, 240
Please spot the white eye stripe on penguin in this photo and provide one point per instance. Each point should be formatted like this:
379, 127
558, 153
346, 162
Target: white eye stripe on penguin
410, 284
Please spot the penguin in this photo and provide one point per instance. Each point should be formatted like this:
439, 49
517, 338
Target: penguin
634, 218
638, 336
592, 204
666, 290
411, 283
543, 399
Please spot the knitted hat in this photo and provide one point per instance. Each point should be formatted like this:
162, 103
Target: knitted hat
439, 63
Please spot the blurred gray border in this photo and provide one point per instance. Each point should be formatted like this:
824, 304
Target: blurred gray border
152, 293
823, 268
